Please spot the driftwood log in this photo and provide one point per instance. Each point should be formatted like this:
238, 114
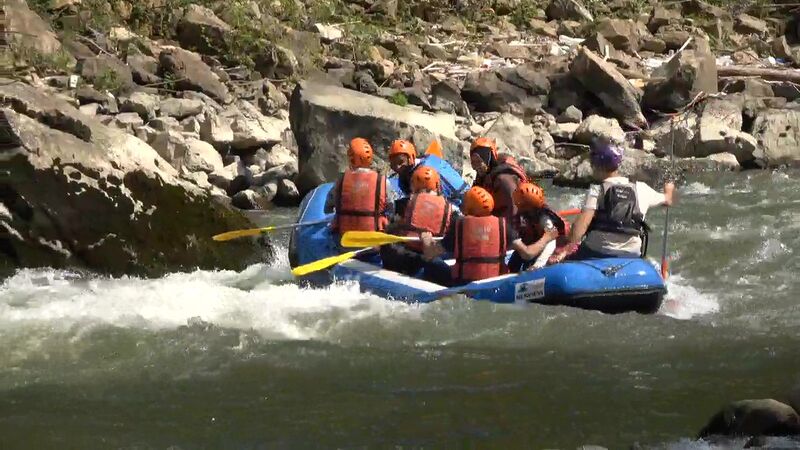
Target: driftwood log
761, 72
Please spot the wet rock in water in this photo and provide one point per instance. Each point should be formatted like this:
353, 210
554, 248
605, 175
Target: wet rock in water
87, 195
181, 108
753, 418
201, 30
777, 132
594, 127
143, 104
727, 160
325, 118
616, 93
108, 71
249, 199
686, 75
191, 73
287, 194
568, 10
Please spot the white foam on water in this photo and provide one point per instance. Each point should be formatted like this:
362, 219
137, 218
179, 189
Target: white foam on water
684, 302
696, 188
259, 298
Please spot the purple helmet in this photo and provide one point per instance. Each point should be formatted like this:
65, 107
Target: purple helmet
606, 155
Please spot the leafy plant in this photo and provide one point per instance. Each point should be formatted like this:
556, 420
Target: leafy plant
108, 80
399, 99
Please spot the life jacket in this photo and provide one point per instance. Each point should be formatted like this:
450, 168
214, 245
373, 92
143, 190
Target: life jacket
426, 212
505, 165
618, 211
480, 248
530, 228
360, 201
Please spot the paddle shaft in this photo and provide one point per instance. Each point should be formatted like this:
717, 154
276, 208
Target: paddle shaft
664, 261
296, 225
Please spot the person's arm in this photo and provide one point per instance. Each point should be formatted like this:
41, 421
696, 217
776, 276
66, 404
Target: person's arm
504, 186
430, 249
669, 193
580, 226
529, 252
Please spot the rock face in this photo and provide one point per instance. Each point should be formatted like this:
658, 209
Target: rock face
754, 418
616, 93
28, 29
568, 10
512, 135
325, 118
200, 29
83, 194
486, 91
191, 73
777, 132
687, 74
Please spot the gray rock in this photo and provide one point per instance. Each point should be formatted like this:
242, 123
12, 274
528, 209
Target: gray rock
251, 129
687, 74
90, 109
25, 29
181, 108
278, 155
143, 104
164, 123
512, 135
97, 196
726, 159
144, 69
127, 121
216, 130
753, 418
594, 127
718, 131
616, 93
170, 145
486, 91
747, 24
108, 71
287, 194
191, 73
201, 30
248, 200
571, 115
564, 131
623, 34
662, 16
328, 33
276, 62
272, 99
325, 118
568, 10
201, 157
87, 94
446, 96
528, 77
780, 48
778, 135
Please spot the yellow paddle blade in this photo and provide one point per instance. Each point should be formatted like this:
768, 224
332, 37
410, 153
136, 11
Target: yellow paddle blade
321, 264
235, 234
370, 239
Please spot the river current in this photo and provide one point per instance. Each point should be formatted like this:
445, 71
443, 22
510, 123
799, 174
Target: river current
246, 360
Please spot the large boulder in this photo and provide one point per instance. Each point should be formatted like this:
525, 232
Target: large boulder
487, 92
597, 127
621, 33
190, 73
685, 75
512, 135
325, 118
568, 10
201, 30
753, 418
85, 195
605, 82
251, 129
719, 130
25, 29
107, 73
777, 132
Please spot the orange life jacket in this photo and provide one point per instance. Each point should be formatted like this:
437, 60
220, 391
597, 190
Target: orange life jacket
426, 212
360, 201
480, 248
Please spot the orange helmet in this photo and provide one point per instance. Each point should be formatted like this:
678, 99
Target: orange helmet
478, 202
425, 178
484, 142
360, 153
403, 147
529, 196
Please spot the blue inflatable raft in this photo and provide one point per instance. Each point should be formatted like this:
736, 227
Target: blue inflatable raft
612, 285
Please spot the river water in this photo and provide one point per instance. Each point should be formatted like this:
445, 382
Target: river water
250, 360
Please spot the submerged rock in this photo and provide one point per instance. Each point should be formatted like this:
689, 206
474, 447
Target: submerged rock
753, 418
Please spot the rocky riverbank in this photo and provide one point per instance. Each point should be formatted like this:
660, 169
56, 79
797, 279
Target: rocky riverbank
249, 103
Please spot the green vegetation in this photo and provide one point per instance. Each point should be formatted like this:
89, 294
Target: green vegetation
108, 80
399, 99
47, 64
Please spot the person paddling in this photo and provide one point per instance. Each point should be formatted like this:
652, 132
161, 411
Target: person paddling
613, 215
360, 193
427, 211
538, 227
498, 174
